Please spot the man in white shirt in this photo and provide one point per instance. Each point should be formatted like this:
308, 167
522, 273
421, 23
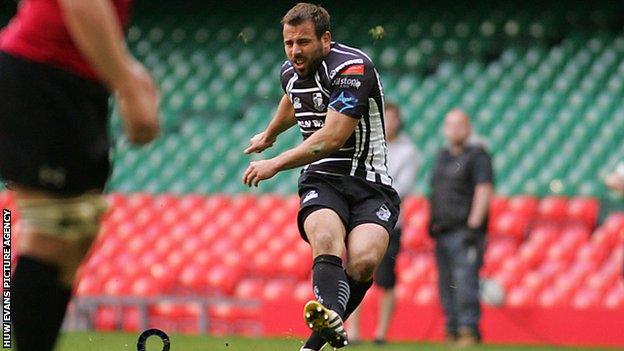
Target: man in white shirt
402, 161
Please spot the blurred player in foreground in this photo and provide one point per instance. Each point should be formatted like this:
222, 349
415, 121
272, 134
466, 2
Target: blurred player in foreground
402, 166
333, 92
461, 189
59, 61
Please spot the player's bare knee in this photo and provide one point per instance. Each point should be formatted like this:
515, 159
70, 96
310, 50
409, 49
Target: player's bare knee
324, 242
361, 268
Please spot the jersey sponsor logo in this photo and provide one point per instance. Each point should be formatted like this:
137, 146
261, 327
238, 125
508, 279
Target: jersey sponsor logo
354, 70
344, 102
318, 101
316, 123
335, 71
344, 82
384, 213
309, 196
297, 103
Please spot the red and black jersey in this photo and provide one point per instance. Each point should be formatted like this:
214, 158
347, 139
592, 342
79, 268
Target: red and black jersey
347, 82
38, 33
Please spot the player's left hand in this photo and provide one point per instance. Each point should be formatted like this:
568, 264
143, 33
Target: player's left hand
259, 170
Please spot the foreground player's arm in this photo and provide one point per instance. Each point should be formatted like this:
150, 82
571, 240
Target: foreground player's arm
284, 119
337, 129
97, 33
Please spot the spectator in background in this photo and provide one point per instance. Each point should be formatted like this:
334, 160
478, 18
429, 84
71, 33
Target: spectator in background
615, 180
461, 188
402, 166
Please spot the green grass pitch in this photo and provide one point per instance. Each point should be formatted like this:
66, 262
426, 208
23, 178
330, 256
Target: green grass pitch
92, 341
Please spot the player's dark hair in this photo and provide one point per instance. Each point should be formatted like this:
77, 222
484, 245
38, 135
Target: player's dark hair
308, 12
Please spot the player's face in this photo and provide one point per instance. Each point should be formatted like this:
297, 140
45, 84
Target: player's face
392, 123
303, 48
457, 128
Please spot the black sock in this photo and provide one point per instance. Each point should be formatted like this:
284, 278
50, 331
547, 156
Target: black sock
329, 282
314, 342
39, 304
358, 291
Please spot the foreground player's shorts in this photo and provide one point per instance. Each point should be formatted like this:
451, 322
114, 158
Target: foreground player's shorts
355, 200
53, 128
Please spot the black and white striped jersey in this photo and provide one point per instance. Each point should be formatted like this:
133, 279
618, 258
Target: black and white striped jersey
347, 82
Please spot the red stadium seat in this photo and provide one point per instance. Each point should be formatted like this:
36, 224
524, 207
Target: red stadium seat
263, 263
498, 206
249, 288
604, 239
562, 251
106, 318
192, 277
404, 293
242, 203
426, 294
554, 296
584, 210
295, 265
276, 246
117, 286
544, 234
599, 282
278, 290
590, 252
532, 254
586, 298
131, 319
497, 250
510, 225
521, 296
88, 285
144, 287
223, 279
513, 266
614, 298
526, 205
553, 208
303, 291
534, 282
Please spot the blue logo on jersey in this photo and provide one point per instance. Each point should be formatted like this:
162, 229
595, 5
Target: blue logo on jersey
344, 102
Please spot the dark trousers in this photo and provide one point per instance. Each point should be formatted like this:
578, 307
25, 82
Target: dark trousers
458, 262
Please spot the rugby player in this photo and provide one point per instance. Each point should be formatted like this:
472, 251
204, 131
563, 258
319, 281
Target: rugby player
59, 62
334, 93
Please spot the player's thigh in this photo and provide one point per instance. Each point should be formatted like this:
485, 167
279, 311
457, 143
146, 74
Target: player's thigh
366, 246
325, 231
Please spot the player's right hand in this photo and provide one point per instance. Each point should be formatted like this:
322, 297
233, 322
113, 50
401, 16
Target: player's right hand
259, 143
138, 103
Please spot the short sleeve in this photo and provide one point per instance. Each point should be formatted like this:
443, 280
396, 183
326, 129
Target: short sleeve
286, 73
351, 88
482, 168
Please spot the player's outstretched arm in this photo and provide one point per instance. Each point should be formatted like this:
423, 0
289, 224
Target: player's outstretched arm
284, 119
96, 31
337, 129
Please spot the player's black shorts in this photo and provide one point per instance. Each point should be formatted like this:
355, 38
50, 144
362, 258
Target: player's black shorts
53, 128
385, 276
355, 200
